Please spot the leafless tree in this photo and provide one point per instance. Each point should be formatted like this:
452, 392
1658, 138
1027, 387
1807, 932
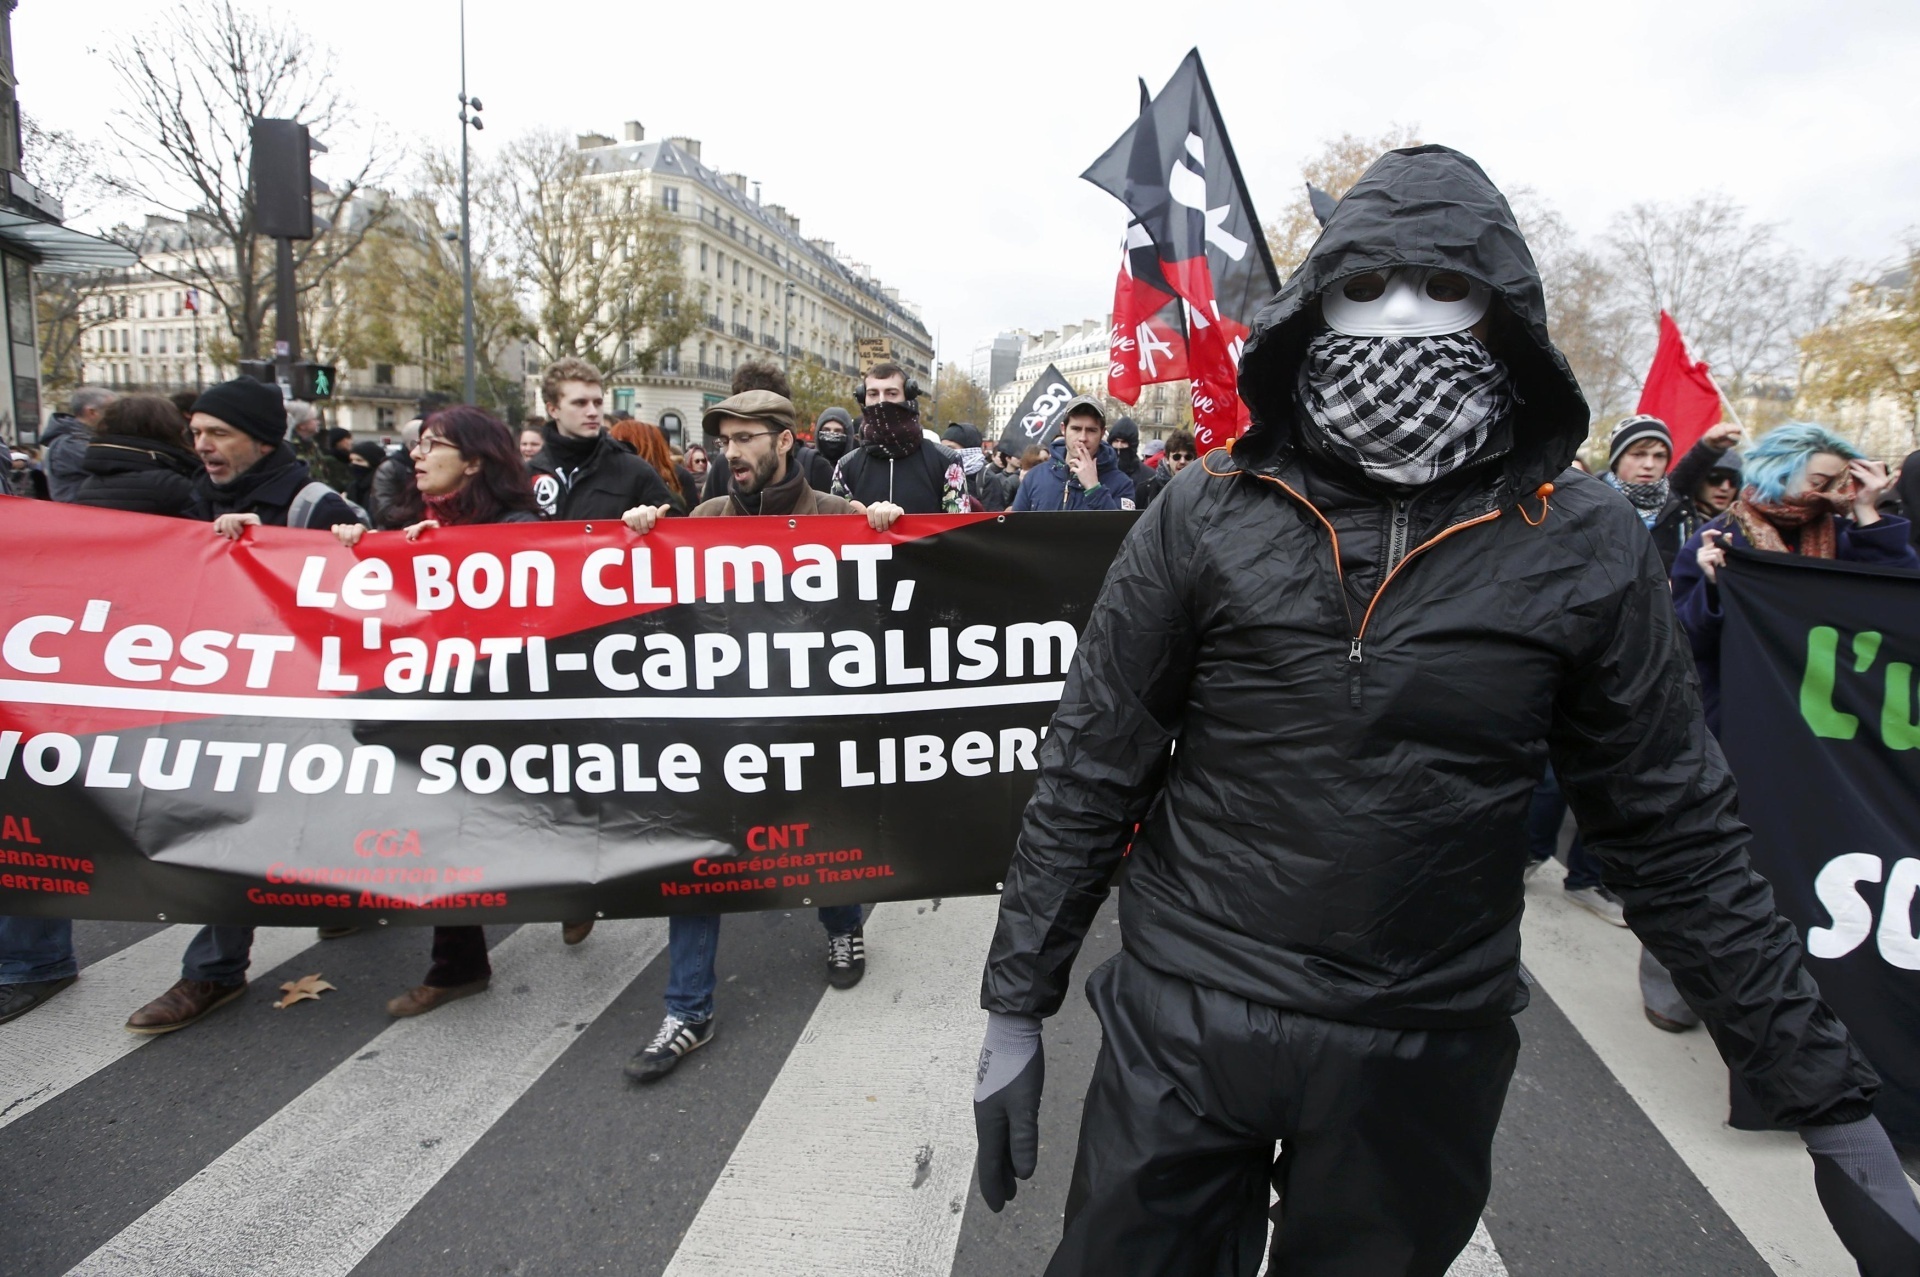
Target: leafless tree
601, 263
1335, 169
68, 303
1741, 296
193, 85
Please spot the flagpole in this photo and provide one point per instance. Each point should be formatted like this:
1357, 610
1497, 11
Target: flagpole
1726, 402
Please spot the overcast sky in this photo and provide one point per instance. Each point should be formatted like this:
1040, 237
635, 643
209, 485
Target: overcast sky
942, 144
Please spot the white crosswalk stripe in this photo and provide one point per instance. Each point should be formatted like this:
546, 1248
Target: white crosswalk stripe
314, 1188
864, 1145
80, 1032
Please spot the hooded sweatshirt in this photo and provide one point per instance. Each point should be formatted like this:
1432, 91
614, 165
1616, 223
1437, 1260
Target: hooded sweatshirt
1325, 782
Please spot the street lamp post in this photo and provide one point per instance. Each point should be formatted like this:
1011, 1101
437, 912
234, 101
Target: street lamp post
466, 224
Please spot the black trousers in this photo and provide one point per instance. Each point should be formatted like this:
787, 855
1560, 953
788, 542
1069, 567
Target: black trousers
1386, 1138
459, 957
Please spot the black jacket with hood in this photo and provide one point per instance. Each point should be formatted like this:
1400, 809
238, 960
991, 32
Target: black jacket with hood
1327, 704
146, 476
608, 481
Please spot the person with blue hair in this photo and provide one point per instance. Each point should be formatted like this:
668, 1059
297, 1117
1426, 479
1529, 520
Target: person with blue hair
1807, 491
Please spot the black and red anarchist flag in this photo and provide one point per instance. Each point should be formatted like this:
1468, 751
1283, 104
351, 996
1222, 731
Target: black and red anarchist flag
1148, 344
1175, 171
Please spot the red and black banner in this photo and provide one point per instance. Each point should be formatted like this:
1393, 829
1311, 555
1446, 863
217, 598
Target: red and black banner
524, 722
1175, 171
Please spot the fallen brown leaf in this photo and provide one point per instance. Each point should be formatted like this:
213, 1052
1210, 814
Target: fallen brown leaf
305, 988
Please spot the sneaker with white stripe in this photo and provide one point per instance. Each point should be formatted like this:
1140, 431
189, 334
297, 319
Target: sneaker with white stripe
846, 958
675, 1039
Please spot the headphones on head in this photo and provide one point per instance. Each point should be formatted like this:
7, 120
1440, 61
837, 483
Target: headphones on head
911, 392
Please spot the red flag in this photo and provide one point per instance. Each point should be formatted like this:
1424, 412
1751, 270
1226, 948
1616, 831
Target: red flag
1679, 391
1148, 341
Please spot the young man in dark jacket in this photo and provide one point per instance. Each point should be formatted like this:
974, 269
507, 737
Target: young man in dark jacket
1123, 436
583, 472
251, 480
1320, 683
1083, 472
764, 476
894, 462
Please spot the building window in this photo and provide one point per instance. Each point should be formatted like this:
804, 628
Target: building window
383, 374
145, 339
383, 419
671, 427
670, 359
670, 197
703, 257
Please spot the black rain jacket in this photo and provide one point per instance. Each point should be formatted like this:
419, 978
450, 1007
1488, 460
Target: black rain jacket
611, 481
146, 476
1331, 780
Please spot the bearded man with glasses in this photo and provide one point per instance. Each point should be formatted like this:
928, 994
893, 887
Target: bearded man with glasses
754, 433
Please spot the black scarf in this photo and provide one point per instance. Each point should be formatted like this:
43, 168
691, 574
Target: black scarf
567, 452
1403, 410
892, 429
778, 497
831, 448
239, 494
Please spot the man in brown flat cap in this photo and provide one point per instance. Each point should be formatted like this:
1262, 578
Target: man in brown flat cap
755, 434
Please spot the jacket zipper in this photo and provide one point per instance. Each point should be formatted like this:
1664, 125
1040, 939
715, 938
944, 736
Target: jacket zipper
1356, 652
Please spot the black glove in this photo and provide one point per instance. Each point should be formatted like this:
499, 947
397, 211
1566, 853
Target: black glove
1006, 1105
1867, 1197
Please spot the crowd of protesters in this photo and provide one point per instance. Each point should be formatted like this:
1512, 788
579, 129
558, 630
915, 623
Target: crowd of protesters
239, 455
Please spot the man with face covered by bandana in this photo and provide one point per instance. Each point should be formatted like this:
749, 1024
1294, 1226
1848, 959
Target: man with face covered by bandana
1320, 684
893, 460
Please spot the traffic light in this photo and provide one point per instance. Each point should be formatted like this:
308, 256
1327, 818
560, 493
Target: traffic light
282, 176
312, 381
259, 370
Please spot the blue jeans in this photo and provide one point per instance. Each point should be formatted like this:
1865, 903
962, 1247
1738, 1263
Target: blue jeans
219, 954
1543, 834
692, 941
36, 949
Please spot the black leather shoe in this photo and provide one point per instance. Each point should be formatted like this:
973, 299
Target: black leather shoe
18, 999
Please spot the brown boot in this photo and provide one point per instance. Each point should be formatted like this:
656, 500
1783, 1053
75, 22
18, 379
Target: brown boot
186, 1002
423, 998
575, 932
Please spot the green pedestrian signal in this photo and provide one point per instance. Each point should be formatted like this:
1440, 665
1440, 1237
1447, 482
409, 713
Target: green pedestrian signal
313, 381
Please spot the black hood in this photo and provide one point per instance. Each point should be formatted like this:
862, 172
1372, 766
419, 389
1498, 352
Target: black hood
1422, 206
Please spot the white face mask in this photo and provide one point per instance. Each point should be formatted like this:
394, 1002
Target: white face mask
1407, 301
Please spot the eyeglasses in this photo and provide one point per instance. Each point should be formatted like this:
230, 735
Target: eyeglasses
425, 444
744, 437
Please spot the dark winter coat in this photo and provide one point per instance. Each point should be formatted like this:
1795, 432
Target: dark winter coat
1907, 487
1679, 519
388, 489
63, 446
609, 482
928, 480
1052, 485
1331, 789
1146, 480
268, 490
1697, 600
122, 472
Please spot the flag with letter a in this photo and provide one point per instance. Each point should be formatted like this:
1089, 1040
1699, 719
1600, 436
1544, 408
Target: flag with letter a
1175, 171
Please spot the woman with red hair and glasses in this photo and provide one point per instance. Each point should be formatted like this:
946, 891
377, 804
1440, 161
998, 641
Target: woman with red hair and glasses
467, 470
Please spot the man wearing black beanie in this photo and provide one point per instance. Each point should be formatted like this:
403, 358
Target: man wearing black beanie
252, 478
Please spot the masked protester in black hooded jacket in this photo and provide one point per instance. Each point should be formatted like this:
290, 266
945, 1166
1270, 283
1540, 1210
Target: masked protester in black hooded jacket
1323, 676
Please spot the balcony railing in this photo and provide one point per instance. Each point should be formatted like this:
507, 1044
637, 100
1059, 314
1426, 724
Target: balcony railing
743, 332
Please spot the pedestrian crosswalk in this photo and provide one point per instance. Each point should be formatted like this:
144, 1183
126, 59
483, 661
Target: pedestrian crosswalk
821, 1132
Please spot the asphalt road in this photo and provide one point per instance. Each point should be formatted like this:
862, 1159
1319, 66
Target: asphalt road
820, 1131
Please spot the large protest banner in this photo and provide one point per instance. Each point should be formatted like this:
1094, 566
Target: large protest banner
524, 722
1820, 726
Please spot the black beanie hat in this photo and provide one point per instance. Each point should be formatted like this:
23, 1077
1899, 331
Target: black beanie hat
247, 405
962, 433
1123, 428
1632, 430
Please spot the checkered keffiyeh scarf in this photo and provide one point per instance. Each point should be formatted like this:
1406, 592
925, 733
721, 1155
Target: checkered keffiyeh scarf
1404, 410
